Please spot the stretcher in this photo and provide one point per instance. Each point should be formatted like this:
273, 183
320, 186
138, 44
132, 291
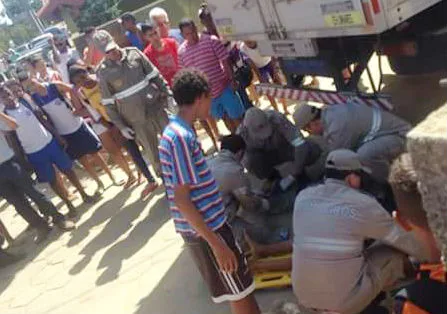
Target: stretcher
274, 279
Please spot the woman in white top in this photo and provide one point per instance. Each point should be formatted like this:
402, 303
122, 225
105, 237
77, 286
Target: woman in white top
82, 142
264, 67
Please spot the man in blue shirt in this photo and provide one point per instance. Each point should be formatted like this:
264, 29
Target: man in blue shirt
195, 201
133, 33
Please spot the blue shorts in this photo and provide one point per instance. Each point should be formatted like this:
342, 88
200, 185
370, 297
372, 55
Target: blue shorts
82, 142
44, 159
267, 72
229, 104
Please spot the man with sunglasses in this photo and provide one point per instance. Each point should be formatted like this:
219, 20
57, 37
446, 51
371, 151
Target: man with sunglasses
134, 93
377, 136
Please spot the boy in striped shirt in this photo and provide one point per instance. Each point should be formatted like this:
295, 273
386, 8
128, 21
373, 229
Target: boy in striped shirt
195, 202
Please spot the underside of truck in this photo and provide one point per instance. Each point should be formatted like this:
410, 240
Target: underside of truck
416, 46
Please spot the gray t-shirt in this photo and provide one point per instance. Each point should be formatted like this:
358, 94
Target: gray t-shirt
331, 222
350, 125
234, 185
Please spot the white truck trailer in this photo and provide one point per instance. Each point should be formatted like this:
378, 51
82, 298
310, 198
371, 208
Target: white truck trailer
324, 37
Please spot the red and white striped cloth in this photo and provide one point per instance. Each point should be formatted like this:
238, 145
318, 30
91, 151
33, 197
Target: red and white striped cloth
325, 97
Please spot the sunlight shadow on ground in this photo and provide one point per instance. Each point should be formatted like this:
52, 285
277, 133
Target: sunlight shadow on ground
114, 257
100, 215
180, 291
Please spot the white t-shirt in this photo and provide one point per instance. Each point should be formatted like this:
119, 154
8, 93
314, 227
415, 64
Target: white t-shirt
65, 121
71, 54
32, 134
259, 60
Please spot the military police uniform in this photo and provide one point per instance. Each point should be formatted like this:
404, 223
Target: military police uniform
135, 96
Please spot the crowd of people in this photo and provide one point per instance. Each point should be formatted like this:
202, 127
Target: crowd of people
347, 248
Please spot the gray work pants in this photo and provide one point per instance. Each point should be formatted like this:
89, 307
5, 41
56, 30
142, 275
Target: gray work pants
379, 153
383, 268
147, 133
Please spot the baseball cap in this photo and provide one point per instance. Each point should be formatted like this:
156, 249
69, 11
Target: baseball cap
126, 17
257, 123
345, 160
304, 114
104, 41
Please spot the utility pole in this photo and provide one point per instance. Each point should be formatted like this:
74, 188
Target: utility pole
36, 20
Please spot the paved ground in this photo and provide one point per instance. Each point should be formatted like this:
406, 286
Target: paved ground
124, 257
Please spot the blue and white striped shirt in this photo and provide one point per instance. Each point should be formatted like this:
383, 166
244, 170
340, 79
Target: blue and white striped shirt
182, 163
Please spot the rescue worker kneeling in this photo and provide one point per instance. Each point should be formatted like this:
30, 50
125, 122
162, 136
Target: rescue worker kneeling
332, 270
249, 212
275, 148
377, 136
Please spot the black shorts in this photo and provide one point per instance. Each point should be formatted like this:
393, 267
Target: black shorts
223, 286
82, 142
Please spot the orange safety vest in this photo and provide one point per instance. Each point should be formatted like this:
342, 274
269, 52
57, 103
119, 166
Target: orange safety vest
436, 273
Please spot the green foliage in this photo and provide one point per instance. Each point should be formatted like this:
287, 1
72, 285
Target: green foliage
15, 8
22, 30
18, 33
97, 12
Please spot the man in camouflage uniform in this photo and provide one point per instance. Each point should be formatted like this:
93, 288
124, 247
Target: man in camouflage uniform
134, 93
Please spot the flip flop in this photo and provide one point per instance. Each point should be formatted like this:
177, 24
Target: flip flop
149, 189
129, 183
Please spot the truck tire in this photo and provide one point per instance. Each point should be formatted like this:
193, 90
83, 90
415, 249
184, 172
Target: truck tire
432, 51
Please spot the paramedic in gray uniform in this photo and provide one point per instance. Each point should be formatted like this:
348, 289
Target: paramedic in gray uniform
275, 148
377, 136
334, 269
134, 93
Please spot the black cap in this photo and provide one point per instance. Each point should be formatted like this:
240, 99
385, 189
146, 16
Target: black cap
127, 17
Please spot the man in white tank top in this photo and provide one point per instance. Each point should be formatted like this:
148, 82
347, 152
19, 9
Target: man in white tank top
42, 148
82, 143
16, 186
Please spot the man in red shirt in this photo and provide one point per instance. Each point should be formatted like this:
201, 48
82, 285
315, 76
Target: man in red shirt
162, 52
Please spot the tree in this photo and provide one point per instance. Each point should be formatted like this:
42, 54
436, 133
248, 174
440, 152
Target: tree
97, 12
16, 8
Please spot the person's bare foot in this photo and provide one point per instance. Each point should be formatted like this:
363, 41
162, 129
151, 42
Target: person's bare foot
71, 196
151, 187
